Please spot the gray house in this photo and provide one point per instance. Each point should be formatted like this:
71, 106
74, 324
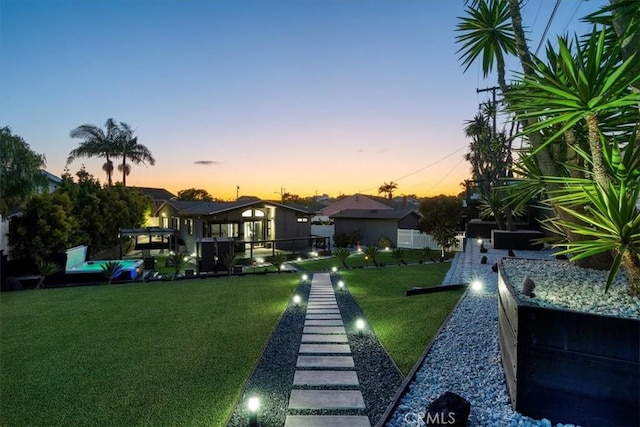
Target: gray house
253, 222
375, 223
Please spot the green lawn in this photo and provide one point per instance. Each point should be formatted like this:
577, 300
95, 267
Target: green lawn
385, 257
177, 353
170, 353
404, 325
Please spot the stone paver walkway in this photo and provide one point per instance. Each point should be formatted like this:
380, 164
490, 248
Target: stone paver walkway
325, 379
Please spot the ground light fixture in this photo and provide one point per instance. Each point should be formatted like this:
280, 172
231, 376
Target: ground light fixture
305, 277
341, 285
253, 405
296, 299
360, 324
476, 285
479, 241
334, 269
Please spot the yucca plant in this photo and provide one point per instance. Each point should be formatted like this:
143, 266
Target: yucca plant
46, 269
342, 254
230, 259
370, 254
111, 270
398, 253
178, 260
278, 260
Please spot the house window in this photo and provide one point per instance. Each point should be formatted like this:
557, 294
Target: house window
189, 224
175, 222
252, 213
303, 219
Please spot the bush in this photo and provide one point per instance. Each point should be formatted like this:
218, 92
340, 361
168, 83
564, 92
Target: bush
341, 240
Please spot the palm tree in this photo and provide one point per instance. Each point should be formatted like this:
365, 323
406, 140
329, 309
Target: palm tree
128, 148
388, 189
97, 143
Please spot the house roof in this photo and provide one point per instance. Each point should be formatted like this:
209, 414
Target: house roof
357, 201
156, 193
390, 214
211, 208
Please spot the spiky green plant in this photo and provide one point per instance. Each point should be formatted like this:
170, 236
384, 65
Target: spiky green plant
370, 254
110, 270
230, 259
398, 253
178, 260
342, 254
46, 269
278, 260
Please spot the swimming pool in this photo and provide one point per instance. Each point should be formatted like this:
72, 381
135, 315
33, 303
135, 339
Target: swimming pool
131, 268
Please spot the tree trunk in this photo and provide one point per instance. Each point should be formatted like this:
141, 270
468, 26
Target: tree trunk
597, 158
631, 264
124, 171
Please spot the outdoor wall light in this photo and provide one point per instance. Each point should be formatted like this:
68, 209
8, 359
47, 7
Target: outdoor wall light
476, 285
296, 299
253, 405
360, 324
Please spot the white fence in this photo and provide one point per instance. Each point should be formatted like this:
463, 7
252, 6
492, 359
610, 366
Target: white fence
414, 239
4, 239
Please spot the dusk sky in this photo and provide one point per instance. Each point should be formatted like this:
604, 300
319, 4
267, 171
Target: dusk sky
313, 96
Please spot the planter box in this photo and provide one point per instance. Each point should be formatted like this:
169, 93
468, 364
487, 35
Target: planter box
518, 239
567, 366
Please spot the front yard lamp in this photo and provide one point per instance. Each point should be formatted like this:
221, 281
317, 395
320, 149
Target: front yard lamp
253, 405
296, 299
340, 285
476, 285
360, 324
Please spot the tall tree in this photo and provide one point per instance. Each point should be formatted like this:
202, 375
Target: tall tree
127, 147
441, 216
195, 194
20, 171
388, 189
97, 142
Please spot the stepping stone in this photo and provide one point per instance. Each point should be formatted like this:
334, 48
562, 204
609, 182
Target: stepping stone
327, 421
337, 338
323, 311
323, 316
324, 362
326, 378
325, 348
326, 399
324, 330
323, 304
321, 322
322, 307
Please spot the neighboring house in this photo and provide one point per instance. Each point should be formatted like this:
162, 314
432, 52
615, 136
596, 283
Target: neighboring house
252, 220
375, 223
158, 195
53, 182
357, 201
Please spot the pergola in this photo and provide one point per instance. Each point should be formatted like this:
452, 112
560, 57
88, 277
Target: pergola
156, 238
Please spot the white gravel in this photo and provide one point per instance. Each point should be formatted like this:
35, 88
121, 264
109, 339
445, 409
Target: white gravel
465, 357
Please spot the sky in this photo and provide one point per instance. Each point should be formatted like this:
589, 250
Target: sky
302, 96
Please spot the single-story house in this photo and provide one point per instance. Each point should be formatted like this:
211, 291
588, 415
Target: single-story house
375, 223
264, 223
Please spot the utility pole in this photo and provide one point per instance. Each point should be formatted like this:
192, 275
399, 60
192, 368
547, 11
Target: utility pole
237, 192
493, 91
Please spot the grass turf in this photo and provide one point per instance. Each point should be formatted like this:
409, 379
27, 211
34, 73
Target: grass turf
170, 353
355, 260
404, 325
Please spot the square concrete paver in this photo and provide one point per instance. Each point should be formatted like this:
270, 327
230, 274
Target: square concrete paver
324, 362
327, 421
323, 311
325, 338
323, 322
326, 399
325, 348
323, 316
326, 378
324, 330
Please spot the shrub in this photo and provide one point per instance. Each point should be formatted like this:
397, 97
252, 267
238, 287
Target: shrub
341, 240
384, 243
370, 254
342, 254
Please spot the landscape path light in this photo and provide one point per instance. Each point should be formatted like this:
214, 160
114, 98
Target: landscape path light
360, 324
341, 285
253, 405
305, 277
296, 299
476, 285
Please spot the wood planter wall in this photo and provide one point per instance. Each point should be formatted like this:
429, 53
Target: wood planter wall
567, 366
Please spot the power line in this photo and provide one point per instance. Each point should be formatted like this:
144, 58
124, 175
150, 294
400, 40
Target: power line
421, 169
446, 175
544, 34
